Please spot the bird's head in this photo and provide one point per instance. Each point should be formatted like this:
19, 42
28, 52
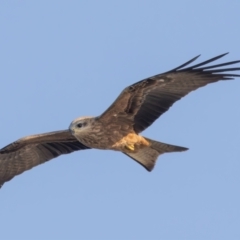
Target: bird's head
81, 125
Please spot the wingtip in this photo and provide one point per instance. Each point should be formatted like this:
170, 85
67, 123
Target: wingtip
185, 149
181, 149
226, 53
195, 58
222, 55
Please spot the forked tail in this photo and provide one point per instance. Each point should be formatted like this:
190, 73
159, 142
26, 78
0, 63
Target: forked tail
148, 156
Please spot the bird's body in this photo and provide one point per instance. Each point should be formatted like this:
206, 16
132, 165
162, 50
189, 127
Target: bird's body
96, 129
116, 135
119, 127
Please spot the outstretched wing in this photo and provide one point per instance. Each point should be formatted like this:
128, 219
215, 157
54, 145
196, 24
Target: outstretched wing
143, 102
33, 150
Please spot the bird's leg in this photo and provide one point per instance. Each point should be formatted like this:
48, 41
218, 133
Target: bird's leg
130, 147
131, 142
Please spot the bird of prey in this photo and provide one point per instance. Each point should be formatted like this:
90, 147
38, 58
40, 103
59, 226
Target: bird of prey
118, 128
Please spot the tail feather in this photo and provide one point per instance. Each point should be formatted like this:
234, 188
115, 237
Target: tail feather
147, 156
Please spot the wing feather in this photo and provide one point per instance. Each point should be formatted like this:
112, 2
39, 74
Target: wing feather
143, 102
31, 151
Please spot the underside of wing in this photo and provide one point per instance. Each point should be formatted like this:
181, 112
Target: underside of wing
31, 151
143, 102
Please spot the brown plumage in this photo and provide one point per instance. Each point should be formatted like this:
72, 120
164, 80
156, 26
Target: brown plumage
136, 108
31, 151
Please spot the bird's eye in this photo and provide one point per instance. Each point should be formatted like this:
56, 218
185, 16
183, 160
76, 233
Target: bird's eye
79, 125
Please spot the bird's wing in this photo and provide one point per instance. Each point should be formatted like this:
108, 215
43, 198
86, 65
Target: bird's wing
143, 102
31, 151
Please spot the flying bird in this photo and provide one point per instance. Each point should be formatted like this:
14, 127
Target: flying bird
118, 128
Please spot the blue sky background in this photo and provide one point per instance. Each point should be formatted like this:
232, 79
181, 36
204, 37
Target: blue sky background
64, 59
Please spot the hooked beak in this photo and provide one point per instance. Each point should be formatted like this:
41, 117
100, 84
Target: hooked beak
71, 129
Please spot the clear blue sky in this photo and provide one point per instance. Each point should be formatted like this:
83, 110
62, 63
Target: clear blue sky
64, 59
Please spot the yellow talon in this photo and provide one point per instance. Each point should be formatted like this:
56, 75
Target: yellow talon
130, 147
